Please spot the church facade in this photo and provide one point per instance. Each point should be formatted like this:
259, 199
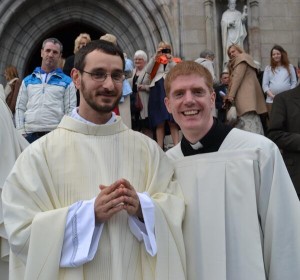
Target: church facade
189, 25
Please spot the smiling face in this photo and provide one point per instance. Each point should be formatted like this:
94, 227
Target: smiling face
276, 56
98, 98
139, 62
191, 101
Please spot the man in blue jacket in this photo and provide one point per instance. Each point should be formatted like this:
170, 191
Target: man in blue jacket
45, 96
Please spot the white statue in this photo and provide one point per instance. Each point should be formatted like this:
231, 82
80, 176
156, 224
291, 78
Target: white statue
233, 28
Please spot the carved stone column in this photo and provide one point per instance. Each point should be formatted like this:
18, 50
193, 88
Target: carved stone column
209, 24
254, 31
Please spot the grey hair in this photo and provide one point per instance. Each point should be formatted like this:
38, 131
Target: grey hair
142, 54
206, 53
54, 41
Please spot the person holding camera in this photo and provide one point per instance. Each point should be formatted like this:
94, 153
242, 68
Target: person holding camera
158, 66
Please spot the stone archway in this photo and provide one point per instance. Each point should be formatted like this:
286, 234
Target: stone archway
137, 24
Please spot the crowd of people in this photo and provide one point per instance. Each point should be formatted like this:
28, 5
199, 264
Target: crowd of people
96, 194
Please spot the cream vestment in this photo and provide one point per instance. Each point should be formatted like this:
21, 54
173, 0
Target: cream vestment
68, 165
11, 145
242, 216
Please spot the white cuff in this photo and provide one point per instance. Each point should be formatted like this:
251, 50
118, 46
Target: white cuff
82, 235
145, 231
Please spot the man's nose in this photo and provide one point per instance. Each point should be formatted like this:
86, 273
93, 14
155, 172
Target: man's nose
189, 97
108, 82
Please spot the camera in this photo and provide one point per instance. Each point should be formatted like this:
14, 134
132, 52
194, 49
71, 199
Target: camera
166, 51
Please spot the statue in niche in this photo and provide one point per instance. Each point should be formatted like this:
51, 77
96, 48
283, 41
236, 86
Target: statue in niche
233, 28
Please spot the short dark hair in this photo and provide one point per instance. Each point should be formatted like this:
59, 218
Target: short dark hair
101, 45
54, 41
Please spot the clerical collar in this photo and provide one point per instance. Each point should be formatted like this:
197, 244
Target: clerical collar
76, 116
211, 142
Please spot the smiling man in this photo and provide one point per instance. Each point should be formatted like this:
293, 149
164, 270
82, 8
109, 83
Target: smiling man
98, 200
45, 96
242, 215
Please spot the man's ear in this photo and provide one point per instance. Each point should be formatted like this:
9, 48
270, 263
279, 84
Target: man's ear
167, 103
76, 77
213, 98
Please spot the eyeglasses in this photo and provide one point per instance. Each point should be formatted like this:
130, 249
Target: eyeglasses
100, 76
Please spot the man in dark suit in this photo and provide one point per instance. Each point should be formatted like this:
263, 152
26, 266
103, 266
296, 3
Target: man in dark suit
284, 130
221, 91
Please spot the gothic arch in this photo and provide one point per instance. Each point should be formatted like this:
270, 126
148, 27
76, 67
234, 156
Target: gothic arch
137, 24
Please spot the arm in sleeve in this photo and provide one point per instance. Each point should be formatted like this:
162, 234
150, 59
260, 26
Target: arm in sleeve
81, 236
70, 98
237, 78
279, 214
150, 65
278, 132
21, 105
293, 77
145, 231
266, 79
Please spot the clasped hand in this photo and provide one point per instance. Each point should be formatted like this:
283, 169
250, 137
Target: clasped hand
114, 198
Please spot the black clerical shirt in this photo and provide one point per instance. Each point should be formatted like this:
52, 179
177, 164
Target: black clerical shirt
211, 142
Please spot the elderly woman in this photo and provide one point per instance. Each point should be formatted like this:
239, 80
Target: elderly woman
140, 89
245, 91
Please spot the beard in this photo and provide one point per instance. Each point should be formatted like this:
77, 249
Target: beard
101, 108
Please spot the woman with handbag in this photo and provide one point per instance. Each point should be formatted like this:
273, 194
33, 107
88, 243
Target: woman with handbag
245, 91
158, 66
140, 94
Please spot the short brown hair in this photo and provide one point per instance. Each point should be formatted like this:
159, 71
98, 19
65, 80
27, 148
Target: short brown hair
185, 68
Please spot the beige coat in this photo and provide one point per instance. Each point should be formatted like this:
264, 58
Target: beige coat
244, 86
144, 80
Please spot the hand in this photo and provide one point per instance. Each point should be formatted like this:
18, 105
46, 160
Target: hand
131, 200
115, 198
228, 101
109, 201
232, 24
271, 94
169, 57
140, 87
158, 53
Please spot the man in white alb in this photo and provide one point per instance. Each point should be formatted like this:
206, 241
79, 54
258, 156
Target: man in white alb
93, 199
243, 215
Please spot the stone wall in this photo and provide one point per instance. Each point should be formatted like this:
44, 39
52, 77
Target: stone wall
189, 25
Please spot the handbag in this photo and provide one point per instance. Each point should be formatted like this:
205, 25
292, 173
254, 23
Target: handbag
138, 103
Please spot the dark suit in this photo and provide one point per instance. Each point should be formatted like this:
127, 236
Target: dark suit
284, 130
219, 90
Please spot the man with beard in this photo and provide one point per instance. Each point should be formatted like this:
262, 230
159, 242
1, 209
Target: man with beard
45, 96
93, 199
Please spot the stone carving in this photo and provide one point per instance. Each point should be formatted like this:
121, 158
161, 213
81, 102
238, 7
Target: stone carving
233, 28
